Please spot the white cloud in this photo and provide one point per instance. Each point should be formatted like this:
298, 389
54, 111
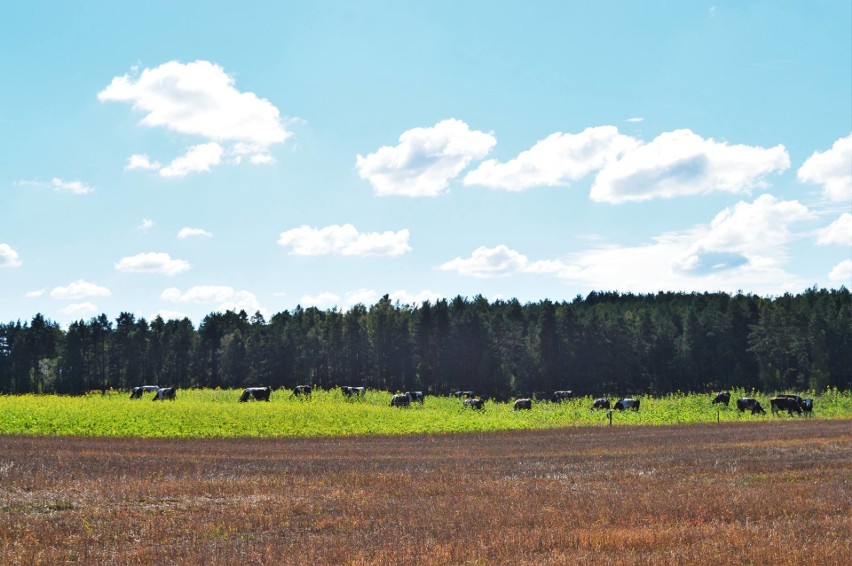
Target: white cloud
80, 309
169, 315
199, 99
34, 294
79, 289
197, 158
146, 224
842, 273
366, 297
323, 300
636, 119
555, 160
406, 298
838, 232
344, 240
425, 160
832, 169
152, 262
141, 161
227, 298
8, 256
187, 232
74, 187
743, 247
681, 163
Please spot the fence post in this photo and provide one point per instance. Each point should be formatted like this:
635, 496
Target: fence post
609, 415
717, 416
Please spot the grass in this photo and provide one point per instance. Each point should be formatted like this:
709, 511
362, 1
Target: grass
207, 413
773, 491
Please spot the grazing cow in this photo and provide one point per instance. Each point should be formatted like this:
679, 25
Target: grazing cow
258, 393
418, 396
748, 404
559, 396
624, 404
474, 403
464, 394
300, 390
522, 404
789, 403
350, 392
722, 397
164, 393
808, 406
138, 391
401, 400
601, 403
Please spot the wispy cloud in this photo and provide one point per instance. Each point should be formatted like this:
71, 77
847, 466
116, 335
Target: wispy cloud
79, 289
344, 240
187, 232
152, 262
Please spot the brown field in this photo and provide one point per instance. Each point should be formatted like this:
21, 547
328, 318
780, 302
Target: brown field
749, 493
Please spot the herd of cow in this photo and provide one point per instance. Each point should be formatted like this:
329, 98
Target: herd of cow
784, 402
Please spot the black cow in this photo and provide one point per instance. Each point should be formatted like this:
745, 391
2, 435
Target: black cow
258, 393
418, 396
789, 403
463, 394
137, 392
748, 404
601, 403
559, 396
808, 406
624, 404
722, 397
300, 390
401, 400
474, 403
522, 404
164, 393
350, 392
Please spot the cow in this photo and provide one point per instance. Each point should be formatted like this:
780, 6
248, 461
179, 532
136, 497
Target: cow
522, 404
258, 393
559, 396
401, 400
624, 404
789, 403
808, 406
600, 403
300, 390
464, 394
137, 392
474, 403
418, 396
164, 393
748, 404
722, 397
350, 392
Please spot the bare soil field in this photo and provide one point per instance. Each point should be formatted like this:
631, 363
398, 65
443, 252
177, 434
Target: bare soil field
776, 492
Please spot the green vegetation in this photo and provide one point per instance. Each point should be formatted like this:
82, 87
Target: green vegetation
217, 414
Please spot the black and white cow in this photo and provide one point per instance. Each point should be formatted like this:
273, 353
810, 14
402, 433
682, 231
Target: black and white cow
601, 403
808, 406
257, 393
464, 394
625, 404
559, 396
748, 404
790, 403
164, 393
522, 404
474, 403
137, 392
350, 392
401, 400
722, 397
300, 390
418, 396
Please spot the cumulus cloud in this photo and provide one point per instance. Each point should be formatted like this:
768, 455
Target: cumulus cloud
8, 256
226, 298
838, 232
743, 247
832, 169
79, 289
199, 99
146, 224
322, 300
187, 232
555, 160
169, 315
80, 309
425, 160
681, 163
344, 240
152, 262
197, 158
842, 273
73, 187
141, 161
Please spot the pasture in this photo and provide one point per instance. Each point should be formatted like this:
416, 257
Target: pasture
208, 413
773, 491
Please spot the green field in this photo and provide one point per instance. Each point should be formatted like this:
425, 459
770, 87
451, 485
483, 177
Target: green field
217, 414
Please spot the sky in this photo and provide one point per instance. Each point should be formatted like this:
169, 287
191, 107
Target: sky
181, 158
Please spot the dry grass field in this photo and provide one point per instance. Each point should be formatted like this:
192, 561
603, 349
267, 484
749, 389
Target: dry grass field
770, 492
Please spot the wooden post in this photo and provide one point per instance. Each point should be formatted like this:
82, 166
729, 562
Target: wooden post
609, 415
717, 416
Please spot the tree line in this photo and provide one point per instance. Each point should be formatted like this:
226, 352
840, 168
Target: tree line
605, 343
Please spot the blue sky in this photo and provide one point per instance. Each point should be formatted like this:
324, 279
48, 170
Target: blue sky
186, 157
